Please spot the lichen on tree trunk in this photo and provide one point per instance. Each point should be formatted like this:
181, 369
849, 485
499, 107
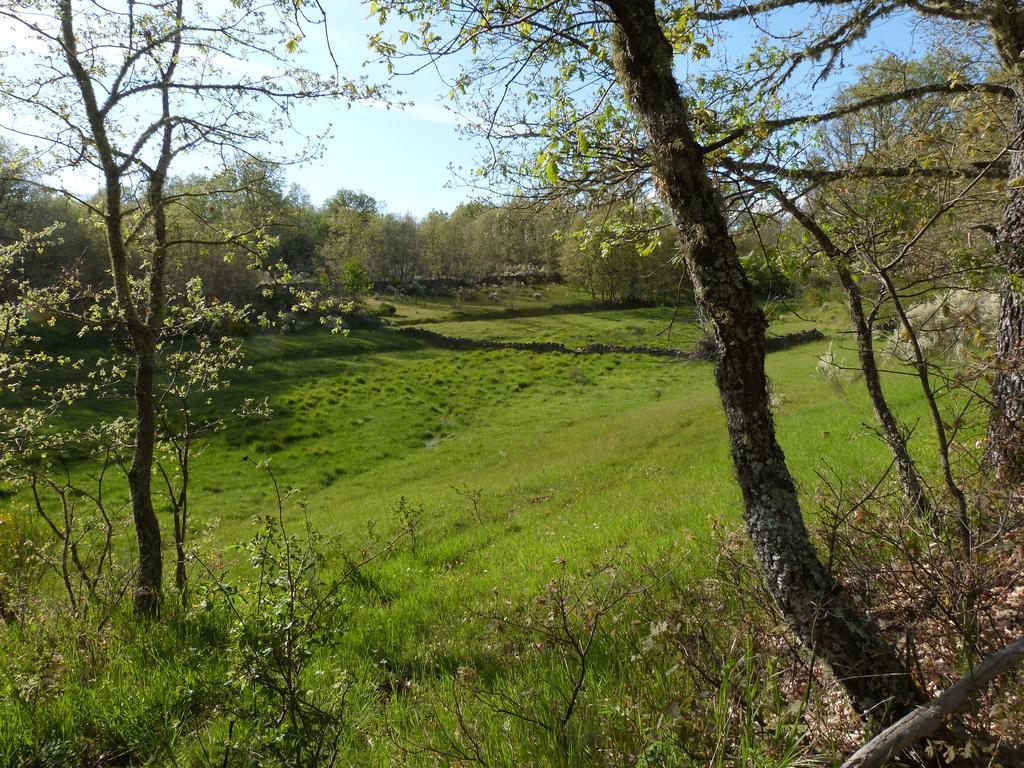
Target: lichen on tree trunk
808, 596
1005, 453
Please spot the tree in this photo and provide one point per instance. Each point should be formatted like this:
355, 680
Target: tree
355, 280
806, 593
207, 208
351, 234
26, 207
463, 244
627, 253
350, 199
628, 44
1003, 20
432, 231
125, 91
904, 235
395, 254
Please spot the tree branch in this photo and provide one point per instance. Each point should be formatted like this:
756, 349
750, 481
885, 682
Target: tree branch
924, 721
880, 100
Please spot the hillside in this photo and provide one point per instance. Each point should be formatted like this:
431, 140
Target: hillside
514, 467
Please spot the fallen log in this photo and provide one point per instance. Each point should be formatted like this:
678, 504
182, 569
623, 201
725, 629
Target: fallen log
925, 720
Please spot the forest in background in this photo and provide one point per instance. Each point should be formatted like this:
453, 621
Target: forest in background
350, 246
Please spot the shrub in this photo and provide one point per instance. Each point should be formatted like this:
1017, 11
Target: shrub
955, 323
286, 699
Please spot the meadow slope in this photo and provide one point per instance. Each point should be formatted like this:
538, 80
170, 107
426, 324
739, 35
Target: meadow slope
515, 465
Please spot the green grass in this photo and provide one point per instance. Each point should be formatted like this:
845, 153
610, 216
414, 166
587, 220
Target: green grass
576, 460
791, 316
646, 326
654, 326
478, 303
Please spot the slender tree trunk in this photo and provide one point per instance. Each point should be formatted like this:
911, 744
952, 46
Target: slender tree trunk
1005, 454
147, 596
181, 511
892, 431
806, 593
180, 574
147, 527
920, 363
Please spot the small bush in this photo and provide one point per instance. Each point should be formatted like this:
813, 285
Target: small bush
286, 700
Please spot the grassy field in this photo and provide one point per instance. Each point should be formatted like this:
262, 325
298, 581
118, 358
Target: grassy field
559, 314
484, 303
520, 464
654, 326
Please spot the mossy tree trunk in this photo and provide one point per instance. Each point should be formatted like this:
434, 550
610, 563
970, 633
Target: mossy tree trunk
806, 593
1006, 423
1005, 451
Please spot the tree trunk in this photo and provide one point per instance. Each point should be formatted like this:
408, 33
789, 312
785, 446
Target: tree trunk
808, 596
920, 363
147, 527
891, 429
1005, 454
181, 514
892, 432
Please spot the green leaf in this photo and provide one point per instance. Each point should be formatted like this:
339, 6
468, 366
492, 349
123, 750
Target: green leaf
551, 170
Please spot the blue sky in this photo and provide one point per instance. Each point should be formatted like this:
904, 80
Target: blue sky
404, 157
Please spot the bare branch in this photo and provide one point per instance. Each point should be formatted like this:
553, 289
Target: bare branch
926, 720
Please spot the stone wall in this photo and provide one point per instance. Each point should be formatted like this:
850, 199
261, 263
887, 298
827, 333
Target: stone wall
772, 344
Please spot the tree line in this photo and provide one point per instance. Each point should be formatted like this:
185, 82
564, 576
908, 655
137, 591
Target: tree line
239, 228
